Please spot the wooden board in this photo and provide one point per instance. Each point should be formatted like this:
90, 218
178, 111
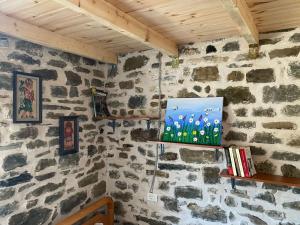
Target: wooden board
183, 21
266, 178
127, 118
272, 15
107, 219
35, 34
180, 21
186, 145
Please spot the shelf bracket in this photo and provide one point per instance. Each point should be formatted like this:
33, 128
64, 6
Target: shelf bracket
217, 154
232, 183
162, 149
148, 124
114, 125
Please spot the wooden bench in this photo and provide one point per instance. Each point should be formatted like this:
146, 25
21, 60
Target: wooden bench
106, 219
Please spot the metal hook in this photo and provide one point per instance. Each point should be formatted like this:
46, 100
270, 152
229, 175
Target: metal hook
162, 149
114, 125
217, 154
148, 124
232, 183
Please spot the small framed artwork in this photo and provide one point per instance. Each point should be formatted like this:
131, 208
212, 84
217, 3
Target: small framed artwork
27, 98
68, 135
99, 103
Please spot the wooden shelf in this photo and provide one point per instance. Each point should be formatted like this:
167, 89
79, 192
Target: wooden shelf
187, 145
266, 178
126, 118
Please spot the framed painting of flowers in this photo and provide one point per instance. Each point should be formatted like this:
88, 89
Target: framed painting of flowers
27, 98
194, 121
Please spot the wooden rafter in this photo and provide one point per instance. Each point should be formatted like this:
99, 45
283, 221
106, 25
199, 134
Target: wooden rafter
240, 14
35, 34
112, 17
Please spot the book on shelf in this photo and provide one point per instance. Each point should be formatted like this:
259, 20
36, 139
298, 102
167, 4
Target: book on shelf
239, 161
234, 171
228, 160
244, 162
250, 162
238, 171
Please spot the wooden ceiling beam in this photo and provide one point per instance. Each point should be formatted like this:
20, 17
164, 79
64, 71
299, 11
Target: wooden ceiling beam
19, 29
241, 15
112, 17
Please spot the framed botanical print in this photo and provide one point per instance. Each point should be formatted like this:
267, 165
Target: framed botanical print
27, 98
68, 135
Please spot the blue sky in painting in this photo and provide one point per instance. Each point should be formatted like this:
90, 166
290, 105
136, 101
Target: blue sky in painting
207, 107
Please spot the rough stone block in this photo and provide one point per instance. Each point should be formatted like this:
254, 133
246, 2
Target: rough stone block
202, 74
260, 76
283, 93
236, 95
135, 62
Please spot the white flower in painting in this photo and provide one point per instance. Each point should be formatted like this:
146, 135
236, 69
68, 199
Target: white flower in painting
193, 115
197, 123
172, 135
168, 128
180, 117
179, 134
208, 124
178, 126
191, 120
216, 129
202, 132
176, 123
195, 139
217, 121
205, 119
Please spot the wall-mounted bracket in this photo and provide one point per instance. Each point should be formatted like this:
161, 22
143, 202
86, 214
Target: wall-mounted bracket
114, 125
232, 183
217, 154
162, 149
148, 124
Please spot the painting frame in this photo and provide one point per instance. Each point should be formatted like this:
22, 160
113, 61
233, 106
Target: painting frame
27, 106
74, 136
195, 121
99, 103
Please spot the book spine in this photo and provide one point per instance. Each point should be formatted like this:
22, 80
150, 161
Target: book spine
244, 162
236, 162
232, 161
238, 156
251, 162
228, 160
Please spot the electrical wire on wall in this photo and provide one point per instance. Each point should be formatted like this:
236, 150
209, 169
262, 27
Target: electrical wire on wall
159, 56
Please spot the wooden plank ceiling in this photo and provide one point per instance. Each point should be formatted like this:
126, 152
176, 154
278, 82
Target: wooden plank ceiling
159, 24
274, 15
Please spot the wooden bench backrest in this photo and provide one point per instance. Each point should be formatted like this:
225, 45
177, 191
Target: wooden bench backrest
107, 219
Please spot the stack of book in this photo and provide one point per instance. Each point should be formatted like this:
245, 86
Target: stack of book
239, 161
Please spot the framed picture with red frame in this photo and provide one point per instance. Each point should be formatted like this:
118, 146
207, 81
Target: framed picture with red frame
68, 135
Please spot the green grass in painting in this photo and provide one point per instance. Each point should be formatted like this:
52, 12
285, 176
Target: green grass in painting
204, 133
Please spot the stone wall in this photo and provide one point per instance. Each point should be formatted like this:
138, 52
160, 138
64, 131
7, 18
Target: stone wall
262, 110
38, 186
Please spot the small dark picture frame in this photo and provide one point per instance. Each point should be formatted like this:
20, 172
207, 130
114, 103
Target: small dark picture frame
27, 98
68, 135
99, 103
